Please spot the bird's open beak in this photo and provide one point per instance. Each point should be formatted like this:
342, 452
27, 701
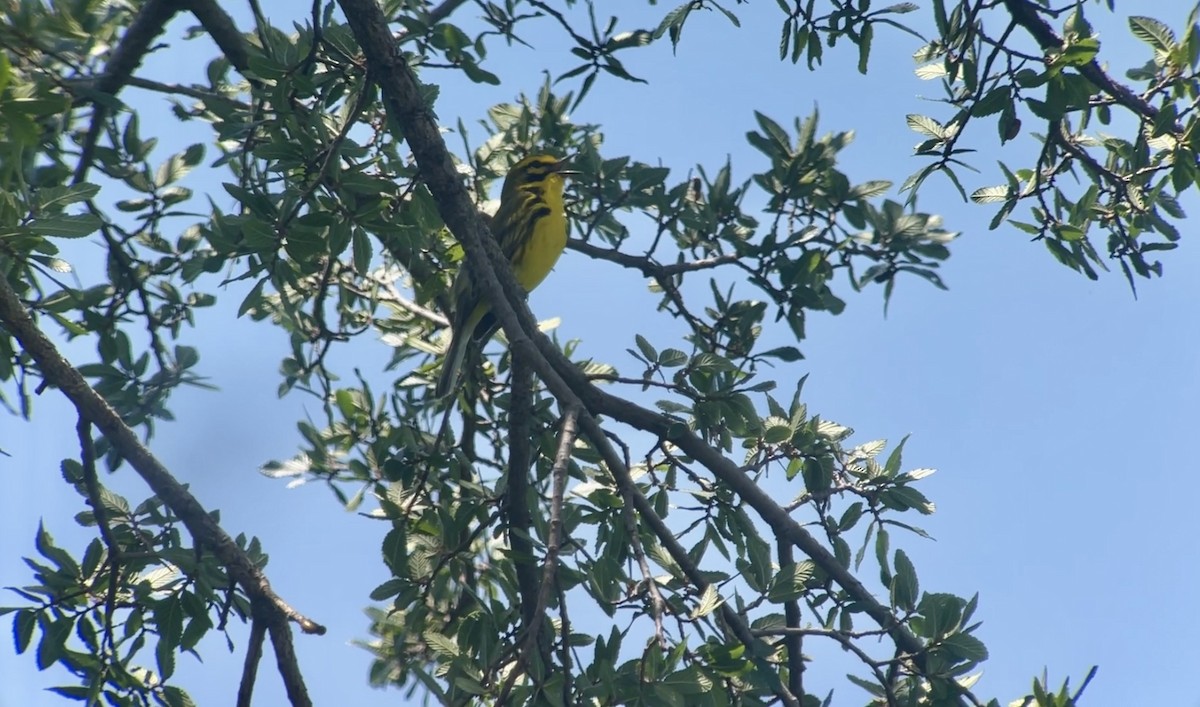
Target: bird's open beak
565, 167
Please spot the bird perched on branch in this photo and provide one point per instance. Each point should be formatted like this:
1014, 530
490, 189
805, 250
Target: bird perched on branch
531, 227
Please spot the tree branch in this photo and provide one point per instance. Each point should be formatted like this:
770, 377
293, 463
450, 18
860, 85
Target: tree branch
1026, 14
204, 529
254, 650
150, 21
794, 643
515, 510
631, 494
781, 523
646, 265
221, 27
493, 274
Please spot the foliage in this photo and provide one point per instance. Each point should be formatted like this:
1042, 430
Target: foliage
545, 556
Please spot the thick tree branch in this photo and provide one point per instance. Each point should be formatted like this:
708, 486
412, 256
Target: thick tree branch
631, 494
402, 97
151, 20
204, 529
781, 523
493, 274
518, 518
791, 613
1027, 15
443, 10
221, 27
254, 651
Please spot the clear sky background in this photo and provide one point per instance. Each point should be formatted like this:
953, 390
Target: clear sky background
1058, 411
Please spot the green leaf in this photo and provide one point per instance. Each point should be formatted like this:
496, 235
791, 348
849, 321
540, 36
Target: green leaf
942, 613
648, 351
925, 125
178, 165
66, 226
395, 551
672, 358
1153, 32
864, 46
23, 623
177, 697
52, 647
689, 681
872, 687
673, 21
362, 249
441, 645
1078, 53
775, 132
168, 616
388, 589
776, 430
62, 559
904, 584
1068, 232
850, 516
791, 582
965, 647
5, 72
55, 198
197, 627
253, 299
818, 474
478, 74
258, 236
895, 459
164, 655
991, 195
709, 601
265, 67
993, 101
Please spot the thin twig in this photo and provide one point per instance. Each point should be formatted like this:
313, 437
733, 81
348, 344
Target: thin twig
844, 639
91, 482
647, 265
657, 605
174, 88
558, 474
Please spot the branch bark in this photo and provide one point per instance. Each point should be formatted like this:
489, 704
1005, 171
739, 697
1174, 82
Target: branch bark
59, 372
494, 275
221, 27
150, 21
1027, 15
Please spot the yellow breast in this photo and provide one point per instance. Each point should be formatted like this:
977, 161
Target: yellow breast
537, 259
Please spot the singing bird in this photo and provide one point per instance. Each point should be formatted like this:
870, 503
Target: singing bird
531, 227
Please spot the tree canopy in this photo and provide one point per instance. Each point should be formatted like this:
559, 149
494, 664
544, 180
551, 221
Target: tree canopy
568, 530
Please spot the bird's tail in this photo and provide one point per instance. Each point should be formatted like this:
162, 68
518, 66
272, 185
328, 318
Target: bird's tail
452, 364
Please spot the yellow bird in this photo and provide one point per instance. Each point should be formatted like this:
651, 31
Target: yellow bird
531, 227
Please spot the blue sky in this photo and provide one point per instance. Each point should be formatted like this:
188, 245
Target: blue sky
1056, 410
